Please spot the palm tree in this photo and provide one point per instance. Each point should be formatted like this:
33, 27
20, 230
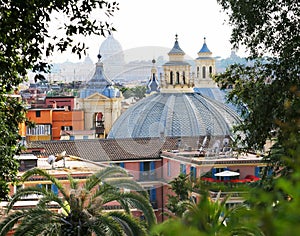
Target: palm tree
210, 218
215, 218
82, 207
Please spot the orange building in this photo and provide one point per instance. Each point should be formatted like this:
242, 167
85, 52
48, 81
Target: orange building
50, 122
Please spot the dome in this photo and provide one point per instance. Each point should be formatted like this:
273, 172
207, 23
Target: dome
204, 51
99, 83
175, 115
109, 47
204, 48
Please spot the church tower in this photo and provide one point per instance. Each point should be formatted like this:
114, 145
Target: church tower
177, 72
205, 67
153, 84
101, 102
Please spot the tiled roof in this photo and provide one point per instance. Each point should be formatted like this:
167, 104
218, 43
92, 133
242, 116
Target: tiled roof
106, 149
101, 150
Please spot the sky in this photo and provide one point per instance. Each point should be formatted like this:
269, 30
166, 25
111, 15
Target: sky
145, 23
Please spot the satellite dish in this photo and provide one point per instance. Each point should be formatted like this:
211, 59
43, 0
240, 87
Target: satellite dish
225, 142
216, 146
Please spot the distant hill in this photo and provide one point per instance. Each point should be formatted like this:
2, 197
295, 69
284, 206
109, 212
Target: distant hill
222, 64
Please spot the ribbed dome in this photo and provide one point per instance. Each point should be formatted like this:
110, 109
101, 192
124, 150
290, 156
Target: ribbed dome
175, 114
109, 47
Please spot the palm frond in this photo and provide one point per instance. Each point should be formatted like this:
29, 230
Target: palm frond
103, 189
73, 182
130, 225
8, 223
43, 173
140, 202
108, 224
51, 197
108, 172
23, 193
128, 184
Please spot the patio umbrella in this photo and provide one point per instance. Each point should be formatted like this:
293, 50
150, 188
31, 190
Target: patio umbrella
227, 173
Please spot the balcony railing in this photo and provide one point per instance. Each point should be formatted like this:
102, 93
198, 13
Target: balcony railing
147, 176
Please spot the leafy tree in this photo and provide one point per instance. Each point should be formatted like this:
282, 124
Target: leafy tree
137, 92
276, 207
210, 218
182, 187
268, 96
83, 211
25, 44
270, 31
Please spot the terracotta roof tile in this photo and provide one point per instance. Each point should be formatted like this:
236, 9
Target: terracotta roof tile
99, 150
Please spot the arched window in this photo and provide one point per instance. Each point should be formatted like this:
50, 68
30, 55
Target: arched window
203, 72
183, 77
210, 70
171, 77
198, 69
177, 77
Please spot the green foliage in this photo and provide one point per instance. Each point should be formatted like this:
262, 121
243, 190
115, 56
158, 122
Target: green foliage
82, 207
210, 218
25, 44
137, 92
276, 207
182, 187
11, 115
269, 30
268, 95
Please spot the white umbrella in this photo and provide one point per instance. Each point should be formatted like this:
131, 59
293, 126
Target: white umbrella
227, 173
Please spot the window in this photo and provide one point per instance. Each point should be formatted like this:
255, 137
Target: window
169, 168
171, 77
258, 171
183, 77
177, 78
37, 113
147, 170
17, 187
49, 188
66, 128
203, 72
120, 164
182, 169
193, 171
210, 70
152, 194
39, 130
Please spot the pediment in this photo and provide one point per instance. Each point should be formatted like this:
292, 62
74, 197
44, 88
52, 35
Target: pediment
96, 96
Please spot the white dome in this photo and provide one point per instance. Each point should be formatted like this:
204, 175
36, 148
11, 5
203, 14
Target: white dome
109, 47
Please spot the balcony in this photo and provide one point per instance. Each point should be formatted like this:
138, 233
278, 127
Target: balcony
237, 188
147, 176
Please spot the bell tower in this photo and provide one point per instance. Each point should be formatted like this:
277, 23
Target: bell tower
205, 67
177, 75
